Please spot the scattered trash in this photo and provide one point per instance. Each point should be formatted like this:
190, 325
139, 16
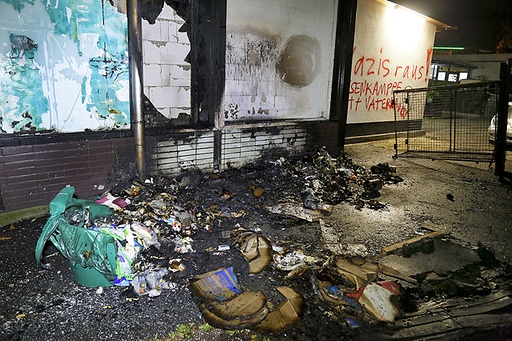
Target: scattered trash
175, 265
183, 245
154, 233
150, 282
113, 202
352, 323
223, 248
256, 249
290, 261
386, 172
372, 186
257, 191
91, 254
377, 299
296, 211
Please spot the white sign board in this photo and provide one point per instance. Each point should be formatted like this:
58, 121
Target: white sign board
279, 59
392, 50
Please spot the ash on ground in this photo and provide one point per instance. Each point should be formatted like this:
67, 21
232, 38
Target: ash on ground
277, 228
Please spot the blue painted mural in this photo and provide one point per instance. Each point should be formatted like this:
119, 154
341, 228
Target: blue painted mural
22, 98
63, 66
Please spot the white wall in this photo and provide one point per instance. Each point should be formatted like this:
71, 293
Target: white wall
166, 74
392, 50
486, 66
167, 82
264, 80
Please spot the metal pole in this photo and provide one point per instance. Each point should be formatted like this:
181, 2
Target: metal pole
453, 120
501, 131
345, 27
136, 88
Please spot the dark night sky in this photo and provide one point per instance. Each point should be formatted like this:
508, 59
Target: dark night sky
480, 23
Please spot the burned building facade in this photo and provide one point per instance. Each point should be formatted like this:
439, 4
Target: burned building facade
97, 92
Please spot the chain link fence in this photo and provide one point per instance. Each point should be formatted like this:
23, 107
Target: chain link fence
446, 122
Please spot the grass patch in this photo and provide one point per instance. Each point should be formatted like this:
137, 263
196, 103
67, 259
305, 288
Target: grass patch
189, 331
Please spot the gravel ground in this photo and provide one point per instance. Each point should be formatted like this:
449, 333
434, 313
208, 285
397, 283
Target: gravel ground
464, 199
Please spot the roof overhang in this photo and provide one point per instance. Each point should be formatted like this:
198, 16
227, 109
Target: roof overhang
440, 26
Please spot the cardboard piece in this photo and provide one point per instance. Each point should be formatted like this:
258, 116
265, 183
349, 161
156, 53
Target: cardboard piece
256, 249
220, 285
377, 300
249, 246
264, 258
357, 275
246, 304
241, 322
285, 315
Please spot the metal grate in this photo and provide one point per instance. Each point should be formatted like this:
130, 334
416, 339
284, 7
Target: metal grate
445, 122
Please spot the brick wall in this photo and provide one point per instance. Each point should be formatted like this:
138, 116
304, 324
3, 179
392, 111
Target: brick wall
166, 75
33, 174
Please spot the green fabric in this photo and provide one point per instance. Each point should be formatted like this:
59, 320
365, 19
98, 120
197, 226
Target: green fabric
90, 253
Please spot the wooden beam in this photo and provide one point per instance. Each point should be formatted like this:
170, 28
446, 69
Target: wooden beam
400, 245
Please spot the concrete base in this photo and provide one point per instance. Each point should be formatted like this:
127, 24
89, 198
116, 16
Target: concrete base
12, 217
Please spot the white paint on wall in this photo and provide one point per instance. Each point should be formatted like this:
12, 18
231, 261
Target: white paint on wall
279, 59
392, 50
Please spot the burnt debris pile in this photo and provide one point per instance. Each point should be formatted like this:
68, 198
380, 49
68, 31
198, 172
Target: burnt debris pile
246, 243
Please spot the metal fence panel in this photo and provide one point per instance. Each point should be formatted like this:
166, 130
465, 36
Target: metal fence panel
445, 122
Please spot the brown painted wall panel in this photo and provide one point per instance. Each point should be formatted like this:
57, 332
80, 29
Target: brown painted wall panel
13, 185
23, 202
51, 189
21, 160
50, 168
42, 158
47, 148
19, 169
50, 185
2, 166
17, 150
100, 146
33, 174
101, 150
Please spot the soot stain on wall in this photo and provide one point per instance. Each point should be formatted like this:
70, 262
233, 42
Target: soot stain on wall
299, 61
254, 56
